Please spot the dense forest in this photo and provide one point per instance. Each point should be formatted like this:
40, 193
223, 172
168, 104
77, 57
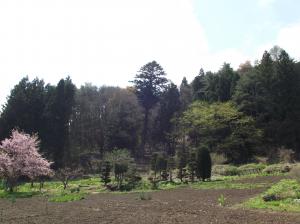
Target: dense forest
254, 110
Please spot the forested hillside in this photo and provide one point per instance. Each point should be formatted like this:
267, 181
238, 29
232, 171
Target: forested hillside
254, 110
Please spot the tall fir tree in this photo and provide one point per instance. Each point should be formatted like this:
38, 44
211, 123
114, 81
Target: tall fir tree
149, 84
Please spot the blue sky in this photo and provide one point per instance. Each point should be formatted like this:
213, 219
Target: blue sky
107, 42
245, 24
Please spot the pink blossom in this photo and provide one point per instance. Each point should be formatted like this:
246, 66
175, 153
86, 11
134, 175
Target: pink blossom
19, 156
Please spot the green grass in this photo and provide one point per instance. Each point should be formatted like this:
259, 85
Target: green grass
76, 190
286, 191
226, 185
67, 197
8, 195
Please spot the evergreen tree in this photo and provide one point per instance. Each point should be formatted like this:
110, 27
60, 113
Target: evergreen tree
120, 171
203, 164
199, 86
168, 108
24, 108
149, 84
226, 83
58, 110
185, 94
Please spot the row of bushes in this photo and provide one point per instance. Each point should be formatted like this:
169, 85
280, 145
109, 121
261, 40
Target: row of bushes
230, 170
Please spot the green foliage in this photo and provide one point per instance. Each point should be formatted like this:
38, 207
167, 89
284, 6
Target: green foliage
145, 196
185, 94
199, 86
105, 172
251, 168
221, 200
169, 105
277, 168
295, 172
149, 84
133, 179
192, 165
226, 184
225, 170
171, 165
221, 127
270, 94
180, 164
218, 159
284, 193
159, 163
154, 183
59, 105
67, 197
203, 164
118, 156
9, 195
120, 170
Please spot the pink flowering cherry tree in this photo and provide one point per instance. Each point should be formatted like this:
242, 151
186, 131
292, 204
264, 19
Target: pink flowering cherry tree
19, 157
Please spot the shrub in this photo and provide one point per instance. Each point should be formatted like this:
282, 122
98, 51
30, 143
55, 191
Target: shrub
284, 189
286, 155
181, 163
144, 196
295, 172
154, 183
66, 174
218, 159
120, 170
159, 164
203, 161
251, 167
225, 170
192, 165
118, 156
171, 165
105, 173
277, 168
133, 179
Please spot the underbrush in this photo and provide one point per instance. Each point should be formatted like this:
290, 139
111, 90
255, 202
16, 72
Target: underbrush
251, 168
283, 196
78, 189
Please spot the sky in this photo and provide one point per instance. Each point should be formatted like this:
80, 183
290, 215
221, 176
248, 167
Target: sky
105, 42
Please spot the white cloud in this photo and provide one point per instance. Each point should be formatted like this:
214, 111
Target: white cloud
288, 39
103, 42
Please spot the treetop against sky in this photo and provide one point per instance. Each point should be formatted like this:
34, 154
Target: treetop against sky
106, 42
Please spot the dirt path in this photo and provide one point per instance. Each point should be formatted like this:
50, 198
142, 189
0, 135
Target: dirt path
183, 205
